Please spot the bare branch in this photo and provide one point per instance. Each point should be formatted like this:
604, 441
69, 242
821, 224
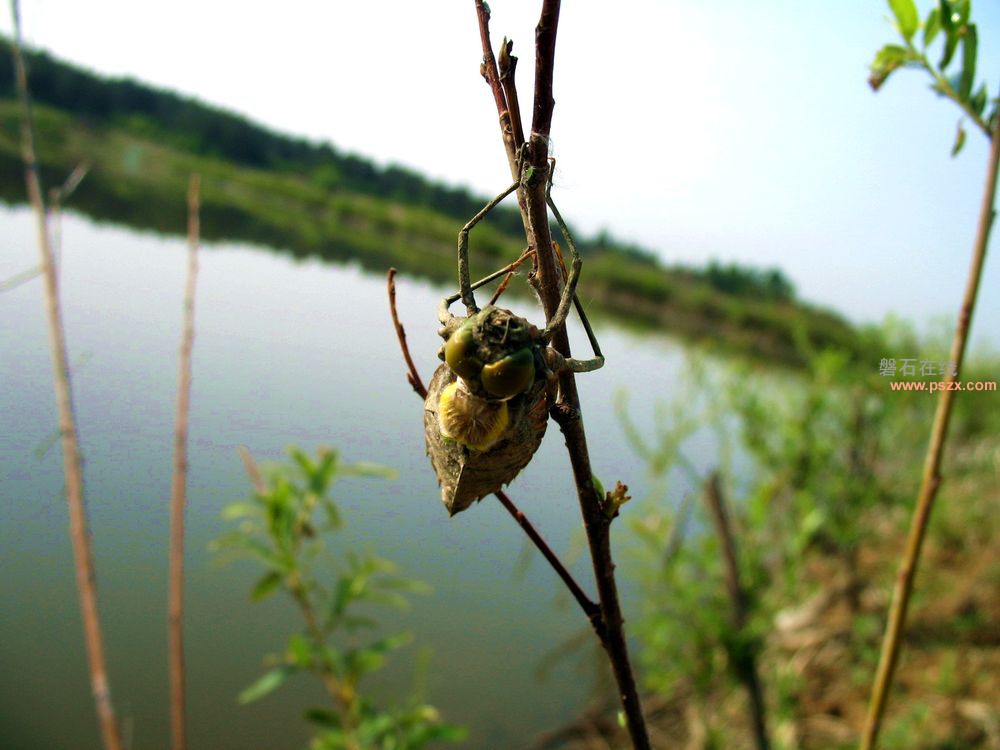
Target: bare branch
178, 492
83, 559
744, 664
547, 281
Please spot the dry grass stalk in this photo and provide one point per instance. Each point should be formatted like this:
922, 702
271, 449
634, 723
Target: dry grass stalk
178, 491
931, 479
82, 556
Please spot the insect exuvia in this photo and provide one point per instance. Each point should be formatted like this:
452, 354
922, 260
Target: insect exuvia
487, 406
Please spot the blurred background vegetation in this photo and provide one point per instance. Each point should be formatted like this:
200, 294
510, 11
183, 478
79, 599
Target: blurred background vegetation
817, 460
268, 188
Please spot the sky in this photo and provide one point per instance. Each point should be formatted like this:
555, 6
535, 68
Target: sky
741, 132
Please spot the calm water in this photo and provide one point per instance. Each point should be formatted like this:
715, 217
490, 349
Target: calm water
285, 353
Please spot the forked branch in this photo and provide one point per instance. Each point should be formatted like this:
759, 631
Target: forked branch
547, 279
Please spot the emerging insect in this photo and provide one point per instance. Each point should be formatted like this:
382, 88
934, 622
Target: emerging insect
487, 406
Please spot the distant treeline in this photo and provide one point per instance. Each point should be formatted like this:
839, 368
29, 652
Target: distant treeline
315, 201
210, 131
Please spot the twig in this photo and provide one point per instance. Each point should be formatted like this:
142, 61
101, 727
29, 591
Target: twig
509, 130
744, 664
413, 377
507, 69
567, 411
931, 479
260, 487
589, 607
502, 287
56, 197
489, 71
85, 577
178, 492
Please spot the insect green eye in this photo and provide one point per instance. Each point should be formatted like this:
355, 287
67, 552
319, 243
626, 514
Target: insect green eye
460, 353
511, 375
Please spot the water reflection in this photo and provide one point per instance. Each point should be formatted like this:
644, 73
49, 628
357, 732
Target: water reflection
286, 352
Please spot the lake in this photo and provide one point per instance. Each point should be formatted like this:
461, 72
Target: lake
286, 352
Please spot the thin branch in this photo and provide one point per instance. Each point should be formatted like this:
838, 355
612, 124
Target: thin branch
413, 377
931, 479
545, 60
83, 560
56, 197
500, 89
745, 663
547, 281
502, 287
491, 74
178, 492
507, 68
253, 471
589, 607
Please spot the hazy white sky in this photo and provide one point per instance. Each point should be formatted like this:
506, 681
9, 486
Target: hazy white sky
728, 129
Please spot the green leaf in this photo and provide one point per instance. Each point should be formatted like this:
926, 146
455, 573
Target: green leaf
234, 511
978, 101
447, 732
374, 728
371, 657
960, 11
301, 458
323, 717
888, 59
408, 585
388, 598
951, 83
332, 659
354, 622
950, 45
598, 486
267, 683
422, 735
300, 650
969, 44
959, 141
906, 17
368, 469
265, 554
332, 513
946, 15
265, 586
932, 26
342, 597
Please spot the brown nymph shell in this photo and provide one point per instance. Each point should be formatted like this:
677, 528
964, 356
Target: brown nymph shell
467, 475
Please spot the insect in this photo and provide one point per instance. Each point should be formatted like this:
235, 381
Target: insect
487, 405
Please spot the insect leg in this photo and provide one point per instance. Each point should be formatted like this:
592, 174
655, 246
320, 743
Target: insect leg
444, 316
463, 251
569, 295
